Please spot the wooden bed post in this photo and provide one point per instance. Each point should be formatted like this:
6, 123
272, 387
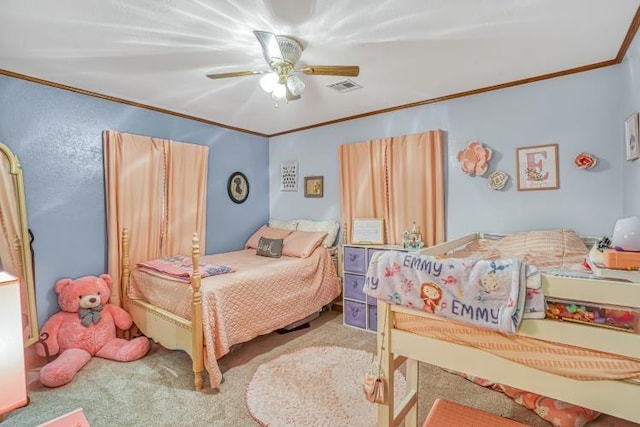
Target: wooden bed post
125, 272
196, 315
411, 419
385, 410
392, 413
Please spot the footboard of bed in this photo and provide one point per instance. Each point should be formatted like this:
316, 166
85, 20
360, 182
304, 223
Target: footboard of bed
163, 327
610, 397
171, 331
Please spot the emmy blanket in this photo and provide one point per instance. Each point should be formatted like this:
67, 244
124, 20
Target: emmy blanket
489, 294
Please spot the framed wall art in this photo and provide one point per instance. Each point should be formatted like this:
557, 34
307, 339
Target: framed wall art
537, 167
368, 231
289, 176
238, 187
313, 186
631, 143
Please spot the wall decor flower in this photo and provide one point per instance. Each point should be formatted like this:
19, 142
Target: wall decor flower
585, 161
497, 180
474, 160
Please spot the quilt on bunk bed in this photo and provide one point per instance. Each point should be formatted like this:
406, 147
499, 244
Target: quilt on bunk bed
261, 295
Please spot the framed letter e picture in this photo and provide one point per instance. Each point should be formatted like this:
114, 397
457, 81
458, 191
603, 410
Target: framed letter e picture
537, 167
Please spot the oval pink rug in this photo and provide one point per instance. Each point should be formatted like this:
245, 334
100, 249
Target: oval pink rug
315, 386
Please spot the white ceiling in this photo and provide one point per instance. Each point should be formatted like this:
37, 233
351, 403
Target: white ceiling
157, 52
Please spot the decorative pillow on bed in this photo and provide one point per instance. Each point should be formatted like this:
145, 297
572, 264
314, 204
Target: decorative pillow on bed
284, 225
269, 247
543, 242
302, 243
268, 232
330, 227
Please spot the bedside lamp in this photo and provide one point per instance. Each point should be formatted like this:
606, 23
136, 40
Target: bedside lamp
12, 368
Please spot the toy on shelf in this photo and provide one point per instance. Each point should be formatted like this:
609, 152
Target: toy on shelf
609, 316
413, 239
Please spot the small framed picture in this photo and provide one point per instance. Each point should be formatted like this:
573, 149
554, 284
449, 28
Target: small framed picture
238, 187
631, 143
313, 186
289, 176
537, 167
368, 231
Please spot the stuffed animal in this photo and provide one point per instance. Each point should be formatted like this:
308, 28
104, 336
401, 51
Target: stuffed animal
596, 253
85, 327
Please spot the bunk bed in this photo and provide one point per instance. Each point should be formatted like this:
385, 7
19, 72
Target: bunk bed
407, 335
205, 317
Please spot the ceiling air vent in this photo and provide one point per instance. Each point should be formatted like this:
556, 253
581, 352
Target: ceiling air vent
345, 86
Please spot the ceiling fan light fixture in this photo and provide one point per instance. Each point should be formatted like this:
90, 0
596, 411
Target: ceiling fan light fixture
282, 53
279, 92
290, 48
295, 85
268, 82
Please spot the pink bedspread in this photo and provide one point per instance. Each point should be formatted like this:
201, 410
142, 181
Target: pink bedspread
263, 294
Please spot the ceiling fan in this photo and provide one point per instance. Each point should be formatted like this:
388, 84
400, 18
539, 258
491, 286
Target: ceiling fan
282, 54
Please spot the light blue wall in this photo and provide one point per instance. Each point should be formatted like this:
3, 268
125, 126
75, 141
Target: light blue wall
57, 136
631, 64
581, 112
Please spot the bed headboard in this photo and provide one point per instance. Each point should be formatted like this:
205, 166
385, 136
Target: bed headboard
330, 227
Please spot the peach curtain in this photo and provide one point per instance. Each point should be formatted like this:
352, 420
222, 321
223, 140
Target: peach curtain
135, 179
416, 186
157, 188
399, 179
362, 182
186, 197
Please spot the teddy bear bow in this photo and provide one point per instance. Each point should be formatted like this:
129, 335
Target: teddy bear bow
88, 315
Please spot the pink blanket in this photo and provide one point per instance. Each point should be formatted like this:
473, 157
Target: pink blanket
264, 294
181, 267
557, 412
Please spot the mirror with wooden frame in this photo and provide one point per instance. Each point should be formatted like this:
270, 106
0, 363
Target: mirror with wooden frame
15, 248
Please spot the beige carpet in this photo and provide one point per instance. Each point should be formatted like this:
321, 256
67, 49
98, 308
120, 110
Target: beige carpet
315, 386
157, 390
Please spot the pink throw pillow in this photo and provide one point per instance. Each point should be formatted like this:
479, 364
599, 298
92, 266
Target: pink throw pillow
302, 243
267, 232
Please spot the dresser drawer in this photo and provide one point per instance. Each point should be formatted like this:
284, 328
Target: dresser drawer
355, 314
370, 254
355, 260
353, 286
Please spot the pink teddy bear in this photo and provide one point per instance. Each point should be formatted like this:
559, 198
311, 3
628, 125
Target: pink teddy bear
85, 327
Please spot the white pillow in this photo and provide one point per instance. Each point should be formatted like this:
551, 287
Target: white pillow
330, 227
283, 225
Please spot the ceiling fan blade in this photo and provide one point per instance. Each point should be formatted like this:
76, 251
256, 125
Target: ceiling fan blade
270, 46
236, 74
331, 70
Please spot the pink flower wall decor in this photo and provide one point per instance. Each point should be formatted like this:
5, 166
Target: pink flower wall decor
474, 160
585, 161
